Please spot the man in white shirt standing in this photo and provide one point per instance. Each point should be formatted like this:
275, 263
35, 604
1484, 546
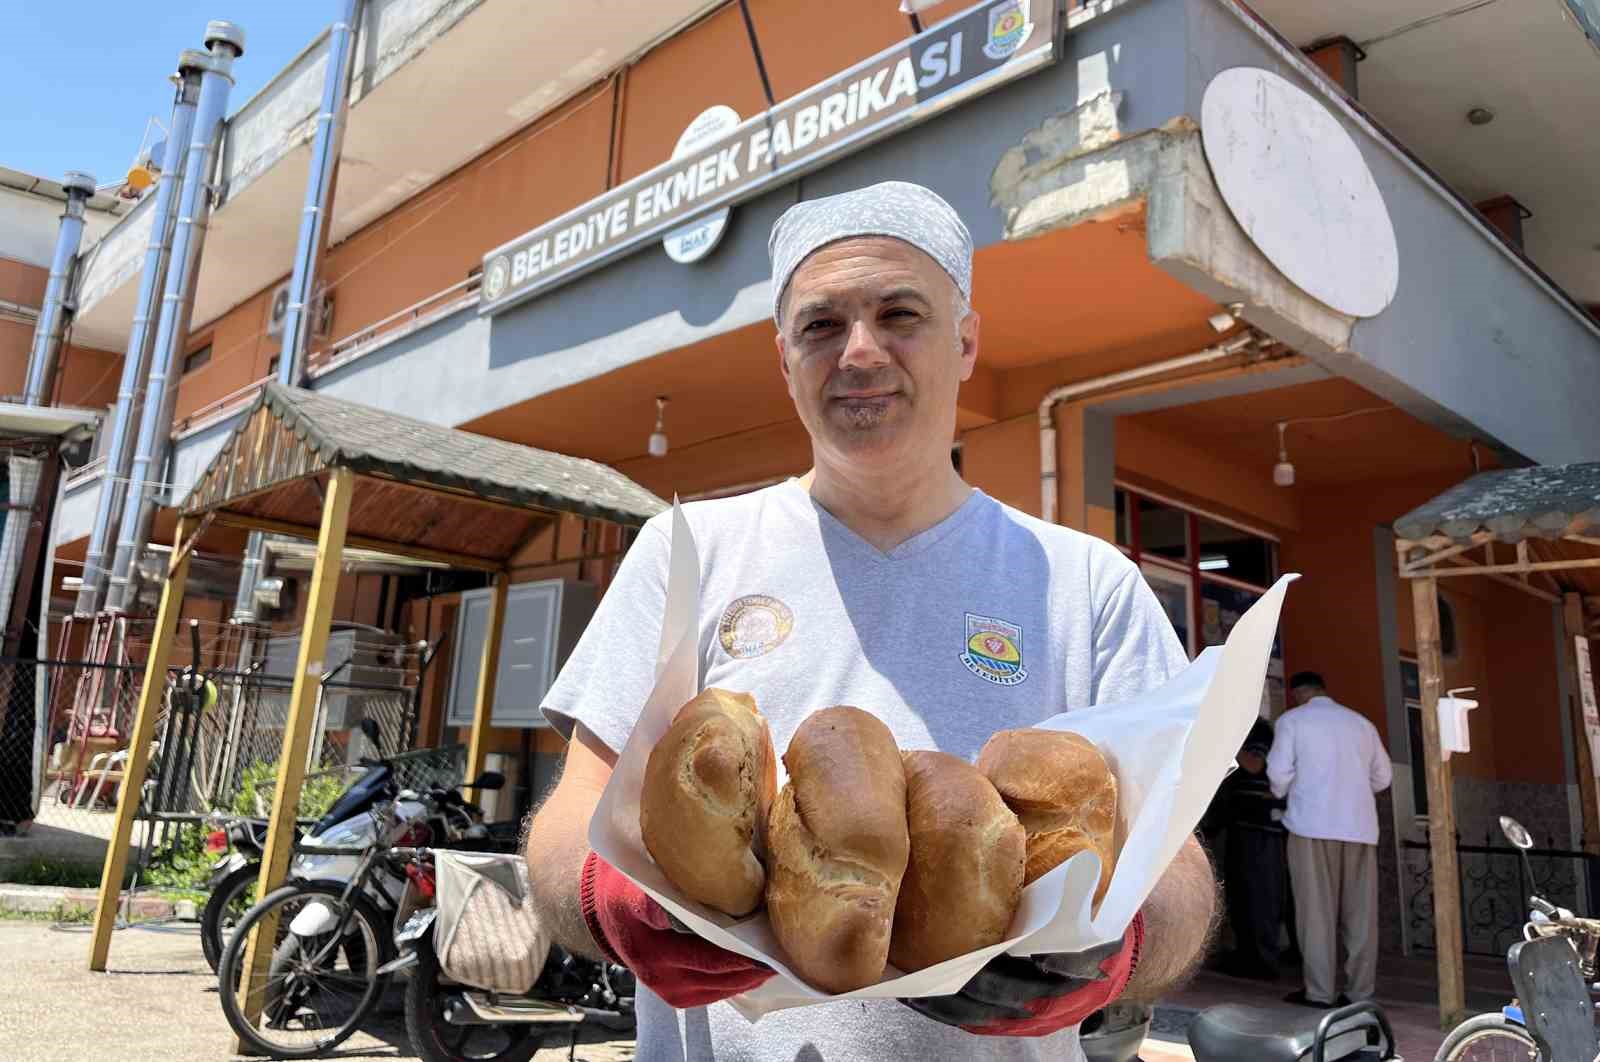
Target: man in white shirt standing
1329, 762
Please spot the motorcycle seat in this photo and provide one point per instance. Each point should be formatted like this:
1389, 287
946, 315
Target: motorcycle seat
1229, 1032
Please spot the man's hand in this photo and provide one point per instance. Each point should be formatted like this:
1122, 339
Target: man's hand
1040, 994
680, 967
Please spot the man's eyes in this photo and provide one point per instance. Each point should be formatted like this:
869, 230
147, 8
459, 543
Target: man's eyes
895, 314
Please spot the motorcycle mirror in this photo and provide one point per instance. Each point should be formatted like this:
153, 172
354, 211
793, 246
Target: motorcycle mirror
490, 780
374, 734
1516, 833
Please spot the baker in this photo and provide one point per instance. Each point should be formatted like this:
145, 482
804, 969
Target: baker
878, 579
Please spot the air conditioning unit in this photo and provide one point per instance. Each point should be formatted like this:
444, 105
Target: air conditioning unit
322, 318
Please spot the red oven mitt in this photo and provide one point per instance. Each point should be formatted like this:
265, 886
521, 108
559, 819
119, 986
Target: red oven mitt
637, 932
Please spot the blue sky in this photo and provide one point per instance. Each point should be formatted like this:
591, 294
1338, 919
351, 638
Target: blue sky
82, 79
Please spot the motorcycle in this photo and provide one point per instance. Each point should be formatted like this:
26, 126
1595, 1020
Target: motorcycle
1233, 1033
1553, 970
462, 1003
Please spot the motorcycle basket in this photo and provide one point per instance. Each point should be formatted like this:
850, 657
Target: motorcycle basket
486, 932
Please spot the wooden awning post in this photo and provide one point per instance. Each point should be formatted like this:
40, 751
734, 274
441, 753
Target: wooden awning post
1441, 809
1588, 787
144, 729
488, 667
310, 664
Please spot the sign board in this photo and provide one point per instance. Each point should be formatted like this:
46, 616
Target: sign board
971, 53
698, 239
1591, 713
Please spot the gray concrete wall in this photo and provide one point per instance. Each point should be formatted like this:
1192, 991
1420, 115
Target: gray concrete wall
1474, 338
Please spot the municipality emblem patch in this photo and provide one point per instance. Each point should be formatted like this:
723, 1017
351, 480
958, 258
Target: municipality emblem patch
754, 625
495, 278
994, 650
1008, 28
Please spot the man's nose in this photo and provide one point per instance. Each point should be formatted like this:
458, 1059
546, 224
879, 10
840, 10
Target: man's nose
862, 349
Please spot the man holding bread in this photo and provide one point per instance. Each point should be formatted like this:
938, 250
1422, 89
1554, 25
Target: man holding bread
878, 580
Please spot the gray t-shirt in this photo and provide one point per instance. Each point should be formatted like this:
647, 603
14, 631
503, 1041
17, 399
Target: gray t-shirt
989, 620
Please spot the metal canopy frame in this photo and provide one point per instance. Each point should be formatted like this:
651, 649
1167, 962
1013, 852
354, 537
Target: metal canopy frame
1548, 519
347, 475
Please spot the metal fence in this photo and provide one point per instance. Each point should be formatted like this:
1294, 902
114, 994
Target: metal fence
1494, 890
65, 726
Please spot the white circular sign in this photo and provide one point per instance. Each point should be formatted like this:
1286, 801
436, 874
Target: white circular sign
1296, 183
694, 241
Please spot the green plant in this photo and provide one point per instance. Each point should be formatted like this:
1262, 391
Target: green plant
259, 780
62, 875
183, 862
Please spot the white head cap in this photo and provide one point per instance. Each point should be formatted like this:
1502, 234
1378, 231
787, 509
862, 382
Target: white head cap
896, 209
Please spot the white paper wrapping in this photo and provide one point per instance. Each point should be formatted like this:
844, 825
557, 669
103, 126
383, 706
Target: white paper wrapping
1169, 748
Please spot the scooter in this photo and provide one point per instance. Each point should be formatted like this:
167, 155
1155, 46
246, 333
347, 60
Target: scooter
1233, 1033
456, 1010
1553, 970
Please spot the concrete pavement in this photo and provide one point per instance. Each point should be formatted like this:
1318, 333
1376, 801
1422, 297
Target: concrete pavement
157, 1002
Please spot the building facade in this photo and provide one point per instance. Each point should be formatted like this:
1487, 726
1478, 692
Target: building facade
1238, 366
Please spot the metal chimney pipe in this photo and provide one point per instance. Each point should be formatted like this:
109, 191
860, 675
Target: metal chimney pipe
51, 328
136, 362
225, 43
327, 146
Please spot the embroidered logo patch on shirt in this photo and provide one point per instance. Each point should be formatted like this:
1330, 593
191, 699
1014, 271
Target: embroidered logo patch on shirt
753, 625
994, 650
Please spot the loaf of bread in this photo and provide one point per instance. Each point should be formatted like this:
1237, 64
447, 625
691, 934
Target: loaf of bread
837, 849
968, 853
1063, 792
708, 789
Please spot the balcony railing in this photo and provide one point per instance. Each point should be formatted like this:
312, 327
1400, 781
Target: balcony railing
402, 322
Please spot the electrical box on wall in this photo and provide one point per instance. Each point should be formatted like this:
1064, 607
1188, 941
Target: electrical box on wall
543, 622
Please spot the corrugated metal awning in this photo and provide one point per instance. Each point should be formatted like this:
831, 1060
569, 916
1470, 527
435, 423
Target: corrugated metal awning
1510, 505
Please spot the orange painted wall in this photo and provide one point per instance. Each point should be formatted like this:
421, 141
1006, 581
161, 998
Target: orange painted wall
1506, 647
85, 377
22, 282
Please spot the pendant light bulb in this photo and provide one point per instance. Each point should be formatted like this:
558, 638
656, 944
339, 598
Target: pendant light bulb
658, 438
1283, 471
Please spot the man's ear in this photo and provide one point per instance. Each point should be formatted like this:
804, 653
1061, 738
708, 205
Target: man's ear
969, 344
783, 361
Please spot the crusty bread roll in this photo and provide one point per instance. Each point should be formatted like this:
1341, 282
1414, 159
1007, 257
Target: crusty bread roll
968, 853
708, 788
1062, 790
837, 849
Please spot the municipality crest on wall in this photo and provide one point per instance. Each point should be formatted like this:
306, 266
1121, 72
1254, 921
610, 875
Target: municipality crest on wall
1008, 28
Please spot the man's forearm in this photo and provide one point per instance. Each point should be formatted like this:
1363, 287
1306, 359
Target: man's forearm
1180, 918
555, 852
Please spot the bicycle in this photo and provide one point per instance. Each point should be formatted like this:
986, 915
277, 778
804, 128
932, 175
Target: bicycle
331, 940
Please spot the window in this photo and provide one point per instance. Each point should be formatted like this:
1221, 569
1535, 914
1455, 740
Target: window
196, 358
1449, 647
543, 620
1236, 554
1206, 573
1163, 530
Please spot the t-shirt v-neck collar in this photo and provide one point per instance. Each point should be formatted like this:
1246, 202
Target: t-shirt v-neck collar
920, 542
